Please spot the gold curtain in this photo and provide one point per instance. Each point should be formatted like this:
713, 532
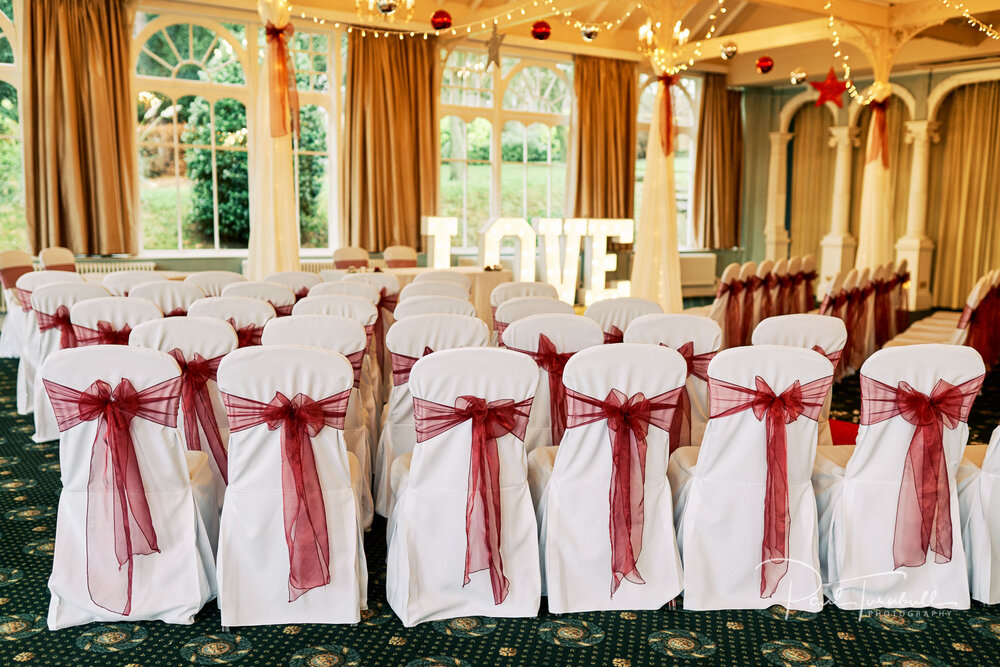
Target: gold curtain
389, 165
79, 126
607, 98
964, 201
812, 179
900, 157
718, 172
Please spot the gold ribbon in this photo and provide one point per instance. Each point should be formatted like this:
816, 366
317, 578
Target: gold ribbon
282, 86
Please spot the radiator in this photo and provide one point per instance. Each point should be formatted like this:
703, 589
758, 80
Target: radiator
98, 266
317, 265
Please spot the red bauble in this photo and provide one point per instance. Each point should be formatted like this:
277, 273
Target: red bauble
441, 20
764, 64
541, 31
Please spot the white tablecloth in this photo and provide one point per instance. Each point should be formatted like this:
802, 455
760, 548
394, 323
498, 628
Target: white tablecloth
483, 283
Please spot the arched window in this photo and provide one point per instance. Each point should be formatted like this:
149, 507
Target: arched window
538, 90
465, 174
13, 229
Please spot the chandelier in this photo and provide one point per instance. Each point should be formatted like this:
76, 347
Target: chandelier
384, 10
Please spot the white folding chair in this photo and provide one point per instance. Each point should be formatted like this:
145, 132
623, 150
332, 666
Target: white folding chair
434, 288
300, 282
424, 305
57, 258
351, 257
247, 316
120, 283
470, 557
743, 501
517, 308
878, 547
400, 257
610, 476
172, 297
409, 340
213, 282
446, 275
979, 500
346, 288
614, 315
132, 542
279, 295
13, 265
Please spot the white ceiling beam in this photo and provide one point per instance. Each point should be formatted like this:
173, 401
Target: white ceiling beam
790, 34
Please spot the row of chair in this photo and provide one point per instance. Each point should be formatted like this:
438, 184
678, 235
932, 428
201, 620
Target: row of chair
354, 257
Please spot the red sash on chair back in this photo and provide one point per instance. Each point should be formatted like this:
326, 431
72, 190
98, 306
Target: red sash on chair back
490, 421
283, 311
795, 292
783, 305
779, 410
809, 293
179, 311
61, 267
614, 335
732, 329
301, 293
500, 327
833, 357
629, 419
104, 334
400, 263
196, 406
300, 420
903, 310
402, 365
858, 341
751, 287
8, 278
882, 311
923, 511
58, 320
553, 362
387, 303
697, 366
119, 522
350, 263
248, 335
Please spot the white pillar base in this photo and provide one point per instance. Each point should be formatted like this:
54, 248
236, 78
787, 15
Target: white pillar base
776, 243
837, 255
919, 253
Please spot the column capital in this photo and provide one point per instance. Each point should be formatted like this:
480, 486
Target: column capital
922, 131
844, 135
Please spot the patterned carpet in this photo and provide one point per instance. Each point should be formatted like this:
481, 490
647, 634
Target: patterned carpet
29, 489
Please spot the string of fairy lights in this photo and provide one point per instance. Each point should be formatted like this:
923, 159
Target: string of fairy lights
844, 57
669, 61
983, 27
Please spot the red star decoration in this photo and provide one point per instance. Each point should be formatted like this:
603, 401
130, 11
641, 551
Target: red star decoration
830, 90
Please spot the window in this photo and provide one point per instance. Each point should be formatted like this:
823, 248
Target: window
13, 226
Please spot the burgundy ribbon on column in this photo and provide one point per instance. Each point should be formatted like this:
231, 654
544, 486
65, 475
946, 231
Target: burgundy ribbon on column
553, 362
282, 86
350, 263
750, 288
402, 365
300, 420
879, 145
923, 512
614, 335
246, 336
387, 303
58, 320
196, 406
667, 129
779, 410
629, 419
697, 366
104, 334
490, 421
118, 515
809, 280
734, 320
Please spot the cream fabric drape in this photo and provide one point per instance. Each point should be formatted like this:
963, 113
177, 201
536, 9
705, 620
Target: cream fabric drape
812, 179
718, 172
607, 99
900, 159
876, 240
656, 270
389, 165
274, 236
79, 126
964, 201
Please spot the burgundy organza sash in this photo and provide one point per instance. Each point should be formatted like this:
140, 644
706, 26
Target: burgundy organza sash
179, 311
196, 406
809, 294
784, 300
750, 289
387, 303
734, 321
799, 400
401, 263
767, 304
834, 305
300, 420
58, 320
350, 263
104, 334
614, 335
697, 366
882, 311
923, 512
500, 327
902, 311
119, 523
795, 292
490, 421
301, 293
24, 297
247, 336
834, 357
629, 419
402, 365
285, 310
553, 362
61, 267
9, 276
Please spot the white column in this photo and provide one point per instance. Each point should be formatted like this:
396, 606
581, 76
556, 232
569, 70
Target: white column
915, 246
776, 240
839, 246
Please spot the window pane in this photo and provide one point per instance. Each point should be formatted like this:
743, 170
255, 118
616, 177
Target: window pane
158, 193
512, 190
7, 7
196, 198
538, 143
13, 226
537, 89
314, 206
230, 123
453, 140
192, 53
479, 139
6, 53
234, 199
477, 201
465, 81
512, 142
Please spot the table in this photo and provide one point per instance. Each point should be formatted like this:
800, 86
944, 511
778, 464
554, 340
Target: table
483, 282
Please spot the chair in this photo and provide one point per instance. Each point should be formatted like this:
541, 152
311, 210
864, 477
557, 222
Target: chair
446, 275
290, 539
725, 310
610, 476
171, 296
763, 306
109, 320
409, 340
826, 335
614, 315
400, 257
512, 290
120, 283
434, 288
163, 567
299, 282
782, 283
347, 337
879, 545
13, 265
57, 258
697, 339
280, 296
808, 291
332, 275
198, 345
348, 288
751, 285
424, 305
793, 299
551, 341
979, 500
835, 297
387, 286
743, 501
350, 258
247, 316
441, 533
514, 309
212, 282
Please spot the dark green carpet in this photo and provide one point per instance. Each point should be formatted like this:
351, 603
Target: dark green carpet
29, 488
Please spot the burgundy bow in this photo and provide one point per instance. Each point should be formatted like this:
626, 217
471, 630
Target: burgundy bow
923, 512
780, 410
302, 293
196, 406
284, 310
284, 95
667, 126
697, 366
553, 362
402, 365
58, 320
104, 334
300, 420
614, 335
629, 419
118, 515
490, 421
248, 335
387, 303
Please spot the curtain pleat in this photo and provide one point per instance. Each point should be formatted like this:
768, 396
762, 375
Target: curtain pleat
718, 174
389, 172
812, 180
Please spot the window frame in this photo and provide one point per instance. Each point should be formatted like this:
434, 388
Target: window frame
12, 74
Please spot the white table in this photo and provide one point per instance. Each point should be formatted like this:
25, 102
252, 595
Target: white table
483, 282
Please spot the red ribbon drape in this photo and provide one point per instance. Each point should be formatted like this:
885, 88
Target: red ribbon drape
490, 421
767, 304
104, 334
629, 419
196, 406
614, 335
667, 128
779, 410
878, 147
9, 276
119, 523
882, 311
282, 86
387, 303
809, 277
400, 263
733, 334
750, 288
923, 511
246, 336
299, 420
58, 320
783, 304
833, 357
697, 366
350, 263
179, 311
402, 365
553, 362
61, 267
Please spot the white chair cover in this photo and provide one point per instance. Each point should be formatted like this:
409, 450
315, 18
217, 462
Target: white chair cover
795, 290
350, 257
762, 291
171, 297
13, 264
254, 558
614, 315
507, 291
979, 498
425, 305
576, 512
346, 287
280, 296
514, 309
697, 339
247, 316
407, 341
729, 287
213, 282
428, 544
120, 283
118, 311
400, 256
859, 503
434, 288
446, 275
332, 275
57, 258
172, 584
300, 282
721, 489
387, 286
